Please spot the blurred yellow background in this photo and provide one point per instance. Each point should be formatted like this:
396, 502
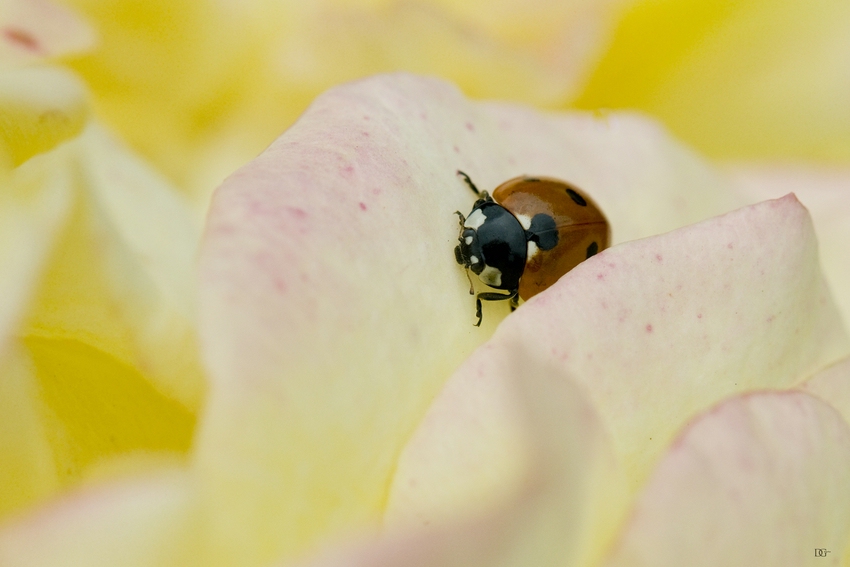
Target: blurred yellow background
199, 86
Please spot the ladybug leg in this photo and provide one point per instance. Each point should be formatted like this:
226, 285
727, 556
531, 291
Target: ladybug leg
489, 296
514, 302
469, 182
461, 219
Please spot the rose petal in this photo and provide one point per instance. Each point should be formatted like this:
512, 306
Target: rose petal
833, 386
539, 483
140, 523
332, 307
33, 30
40, 108
762, 479
121, 276
826, 194
33, 205
660, 328
740, 81
27, 467
514, 436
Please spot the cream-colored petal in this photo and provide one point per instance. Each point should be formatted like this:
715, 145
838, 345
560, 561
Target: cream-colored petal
121, 277
28, 471
511, 466
33, 30
35, 199
833, 386
825, 192
658, 329
40, 107
761, 479
136, 523
332, 308
513, 437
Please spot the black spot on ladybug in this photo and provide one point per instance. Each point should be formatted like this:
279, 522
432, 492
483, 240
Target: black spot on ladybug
543, 231
532, 179
592, 249
578, 199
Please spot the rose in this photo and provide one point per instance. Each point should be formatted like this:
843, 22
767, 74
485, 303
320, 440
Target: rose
330, 317
138, 325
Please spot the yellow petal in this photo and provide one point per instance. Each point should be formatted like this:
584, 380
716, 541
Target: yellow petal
742, 80
762, 479
34, 202
28, 472
195, 84
121, 275
40, 107
98, 408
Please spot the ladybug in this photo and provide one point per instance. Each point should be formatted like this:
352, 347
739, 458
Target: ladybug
532, 231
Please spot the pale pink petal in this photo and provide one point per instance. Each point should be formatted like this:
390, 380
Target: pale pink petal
762, 479
659, 329
33, 30
136, 523
826, 193
332, 307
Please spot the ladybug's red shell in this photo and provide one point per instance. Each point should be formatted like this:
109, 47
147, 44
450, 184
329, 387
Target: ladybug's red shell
582, 228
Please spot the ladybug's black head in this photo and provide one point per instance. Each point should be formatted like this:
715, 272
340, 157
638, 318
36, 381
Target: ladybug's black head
493, 245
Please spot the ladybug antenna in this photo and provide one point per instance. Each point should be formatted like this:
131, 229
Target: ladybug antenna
469, 182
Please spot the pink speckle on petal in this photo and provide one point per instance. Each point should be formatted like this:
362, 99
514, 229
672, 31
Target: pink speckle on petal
699, 315
470, 127
362, 206
456, 149
21, 38
729, 246
347, 171
649, 328
296, 212
600, 276
376, 191
658, 257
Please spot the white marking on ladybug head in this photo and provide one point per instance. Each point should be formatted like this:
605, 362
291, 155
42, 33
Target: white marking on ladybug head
473, 259
491, 276
468, 240
532, 250
524, 220
475, 220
